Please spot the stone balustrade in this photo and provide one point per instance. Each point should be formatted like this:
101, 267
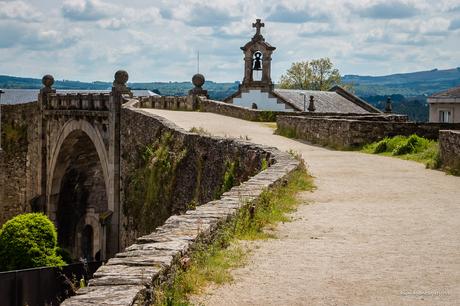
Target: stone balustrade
167, 102
78, 101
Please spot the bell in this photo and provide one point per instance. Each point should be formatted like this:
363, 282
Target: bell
257, 61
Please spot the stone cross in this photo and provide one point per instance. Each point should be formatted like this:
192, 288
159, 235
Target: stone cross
258, 25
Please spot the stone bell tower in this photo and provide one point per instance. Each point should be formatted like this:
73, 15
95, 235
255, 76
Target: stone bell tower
257, 89
257, 61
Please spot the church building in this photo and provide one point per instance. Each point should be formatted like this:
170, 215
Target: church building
257, 90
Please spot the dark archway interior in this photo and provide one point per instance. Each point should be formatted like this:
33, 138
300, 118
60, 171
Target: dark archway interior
87, 242
82, 188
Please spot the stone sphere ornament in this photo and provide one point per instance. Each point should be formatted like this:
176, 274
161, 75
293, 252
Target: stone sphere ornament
198, 80
48, 80
121, 77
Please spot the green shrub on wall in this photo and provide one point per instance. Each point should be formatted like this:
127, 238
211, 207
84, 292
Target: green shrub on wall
150, 189
229, 177
267, 116
408, 147
14, 136
27, 241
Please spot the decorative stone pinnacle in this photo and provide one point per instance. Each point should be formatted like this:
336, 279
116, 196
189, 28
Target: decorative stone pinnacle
120, 79
198, 80
311, 105
48, 81
388, 106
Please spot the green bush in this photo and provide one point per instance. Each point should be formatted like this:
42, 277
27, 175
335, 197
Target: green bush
267, 116
27, 241
408, 147
380, 147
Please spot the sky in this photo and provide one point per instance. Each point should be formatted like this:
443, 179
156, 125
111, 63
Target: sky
158, 40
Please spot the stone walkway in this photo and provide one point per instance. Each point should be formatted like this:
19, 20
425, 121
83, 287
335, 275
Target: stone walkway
377, 231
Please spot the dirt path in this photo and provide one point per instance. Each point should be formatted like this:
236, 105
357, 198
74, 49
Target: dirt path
379, 231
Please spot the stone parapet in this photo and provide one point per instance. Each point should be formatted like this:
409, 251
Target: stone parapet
449, 144
131, 276
78, 101
190, 103
352, 133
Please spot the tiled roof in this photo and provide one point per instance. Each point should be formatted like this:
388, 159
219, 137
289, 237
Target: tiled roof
325, 101
450, 93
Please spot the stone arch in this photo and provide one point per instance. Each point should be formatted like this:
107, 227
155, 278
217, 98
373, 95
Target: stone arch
56, 169
78, 184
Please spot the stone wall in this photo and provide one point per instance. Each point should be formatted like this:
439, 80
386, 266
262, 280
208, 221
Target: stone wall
132, 275
352, 133
165, 169
202, 104
19, 159
449, 144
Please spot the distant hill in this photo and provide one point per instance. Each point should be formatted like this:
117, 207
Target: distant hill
407, 84
216, 90
408, 90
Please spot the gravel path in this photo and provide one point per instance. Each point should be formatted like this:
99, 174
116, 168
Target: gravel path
377, 231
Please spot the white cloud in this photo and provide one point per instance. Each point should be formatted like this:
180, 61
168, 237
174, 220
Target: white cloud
19, 10
158, 40
86, 10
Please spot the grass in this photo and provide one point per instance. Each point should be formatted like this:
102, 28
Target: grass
271, 125
212, 263
200, 131
286, 132
412, 147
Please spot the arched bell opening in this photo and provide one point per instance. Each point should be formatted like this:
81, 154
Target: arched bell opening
257, 66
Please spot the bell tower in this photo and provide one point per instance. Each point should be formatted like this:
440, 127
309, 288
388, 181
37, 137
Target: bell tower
257, 62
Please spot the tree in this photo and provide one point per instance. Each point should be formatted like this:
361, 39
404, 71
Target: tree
318, 74
27, 241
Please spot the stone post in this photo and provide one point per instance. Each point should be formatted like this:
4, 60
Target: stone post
388, 106
43, 100
311, 105
198, 91
113, 230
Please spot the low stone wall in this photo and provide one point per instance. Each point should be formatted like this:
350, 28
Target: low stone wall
19, 159
131, 276
352, 133
191, 103
181, 169
449, 144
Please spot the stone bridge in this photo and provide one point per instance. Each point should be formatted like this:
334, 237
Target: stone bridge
80, 167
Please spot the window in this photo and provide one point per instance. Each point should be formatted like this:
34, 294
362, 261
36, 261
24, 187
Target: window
444, 116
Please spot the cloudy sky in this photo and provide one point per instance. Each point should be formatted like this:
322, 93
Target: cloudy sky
157, 40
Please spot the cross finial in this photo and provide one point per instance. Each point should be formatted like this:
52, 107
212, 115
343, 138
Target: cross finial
258, 25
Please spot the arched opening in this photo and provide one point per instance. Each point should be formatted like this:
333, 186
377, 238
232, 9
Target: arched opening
257, 66
78, 196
